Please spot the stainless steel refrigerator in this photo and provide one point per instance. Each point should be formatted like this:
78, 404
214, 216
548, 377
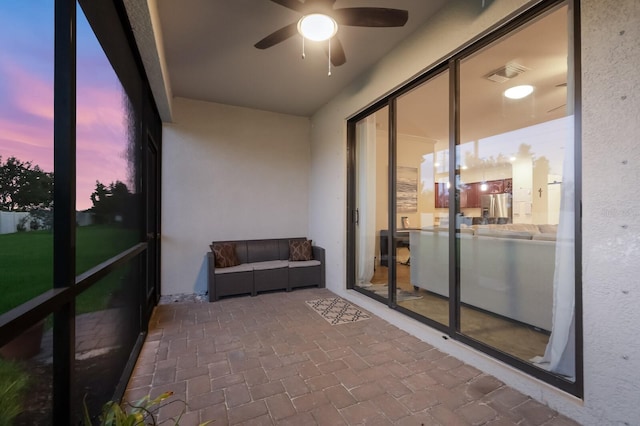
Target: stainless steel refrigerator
496, 206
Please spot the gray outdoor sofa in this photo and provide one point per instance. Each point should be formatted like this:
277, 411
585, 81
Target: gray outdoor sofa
264, 265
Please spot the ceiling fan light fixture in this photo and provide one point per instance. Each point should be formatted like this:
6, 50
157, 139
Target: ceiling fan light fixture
317, 27
518, 92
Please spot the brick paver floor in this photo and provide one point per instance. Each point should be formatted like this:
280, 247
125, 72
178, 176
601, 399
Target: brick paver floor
272, 360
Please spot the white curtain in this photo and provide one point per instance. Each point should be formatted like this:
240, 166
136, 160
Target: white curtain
366, 198
559, 356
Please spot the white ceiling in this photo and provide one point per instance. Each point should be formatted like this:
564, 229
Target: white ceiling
210, 54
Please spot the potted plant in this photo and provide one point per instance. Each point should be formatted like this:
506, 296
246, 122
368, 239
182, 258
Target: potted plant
140, 413
26, 345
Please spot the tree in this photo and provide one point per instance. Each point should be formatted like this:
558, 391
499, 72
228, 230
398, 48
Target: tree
24, 187
111, 203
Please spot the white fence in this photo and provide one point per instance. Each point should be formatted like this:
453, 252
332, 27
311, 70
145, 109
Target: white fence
9, 220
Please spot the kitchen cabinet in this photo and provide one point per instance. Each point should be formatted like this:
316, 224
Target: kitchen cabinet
469, 195
442, 196
495, 187
470, 192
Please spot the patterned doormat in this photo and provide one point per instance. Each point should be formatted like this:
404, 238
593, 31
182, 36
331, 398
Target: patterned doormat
337, 310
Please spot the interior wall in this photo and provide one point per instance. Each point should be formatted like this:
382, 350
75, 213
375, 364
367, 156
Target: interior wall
611, 236
409, 153
228, 173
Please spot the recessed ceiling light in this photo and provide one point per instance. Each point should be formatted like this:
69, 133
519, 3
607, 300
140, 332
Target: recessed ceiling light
518, 92
317, 27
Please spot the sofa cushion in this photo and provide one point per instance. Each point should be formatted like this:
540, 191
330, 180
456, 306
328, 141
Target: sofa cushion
225, 255
548, 229
304, 263
262, 250
243, 267
521, 227
300, 250
545, 237
283, 246
269, 264
495, 233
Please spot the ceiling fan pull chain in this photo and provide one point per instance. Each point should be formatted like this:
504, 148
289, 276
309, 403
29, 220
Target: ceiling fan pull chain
329, 41
303, 55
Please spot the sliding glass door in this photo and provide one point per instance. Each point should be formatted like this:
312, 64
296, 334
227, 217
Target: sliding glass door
516, 153
463, 197
371, 218
422, 199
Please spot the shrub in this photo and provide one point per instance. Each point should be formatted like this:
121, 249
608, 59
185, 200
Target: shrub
139, 413
22, 224
13, 386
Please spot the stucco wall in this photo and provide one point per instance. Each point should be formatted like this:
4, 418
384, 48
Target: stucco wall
228, 173
611, 231
610, 162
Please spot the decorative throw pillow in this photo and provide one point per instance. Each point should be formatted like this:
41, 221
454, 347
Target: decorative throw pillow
225, 255
300, 250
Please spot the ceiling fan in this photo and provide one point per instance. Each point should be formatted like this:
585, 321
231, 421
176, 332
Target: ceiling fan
314, 11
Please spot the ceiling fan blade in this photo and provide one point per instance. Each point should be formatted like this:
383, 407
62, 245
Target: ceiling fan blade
278, 36
371, 17
337, 52
291, 4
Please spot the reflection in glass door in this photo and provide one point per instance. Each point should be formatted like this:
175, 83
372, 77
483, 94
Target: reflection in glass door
371, 214
467, 200
516, 168
422, 199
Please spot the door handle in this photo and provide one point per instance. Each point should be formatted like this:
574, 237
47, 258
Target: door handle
356, 216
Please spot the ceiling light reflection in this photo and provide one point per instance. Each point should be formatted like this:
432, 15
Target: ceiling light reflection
518, 92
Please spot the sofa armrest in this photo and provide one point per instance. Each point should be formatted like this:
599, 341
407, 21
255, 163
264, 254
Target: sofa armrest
319, 254
211, 282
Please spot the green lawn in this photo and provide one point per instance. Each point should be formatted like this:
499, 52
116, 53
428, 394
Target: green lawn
26, 264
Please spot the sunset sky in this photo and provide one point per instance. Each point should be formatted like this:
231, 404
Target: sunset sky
26, 98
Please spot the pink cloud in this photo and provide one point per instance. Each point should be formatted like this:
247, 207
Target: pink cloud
101, 140
31, 93
36, 133
26, 124
99, 105
27, 152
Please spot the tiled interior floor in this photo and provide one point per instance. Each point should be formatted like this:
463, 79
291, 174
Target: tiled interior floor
516, 339
271, 359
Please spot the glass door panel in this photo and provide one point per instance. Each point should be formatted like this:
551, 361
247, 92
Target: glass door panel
422, 200
107, 157
515, 158
371, 229
26, 151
